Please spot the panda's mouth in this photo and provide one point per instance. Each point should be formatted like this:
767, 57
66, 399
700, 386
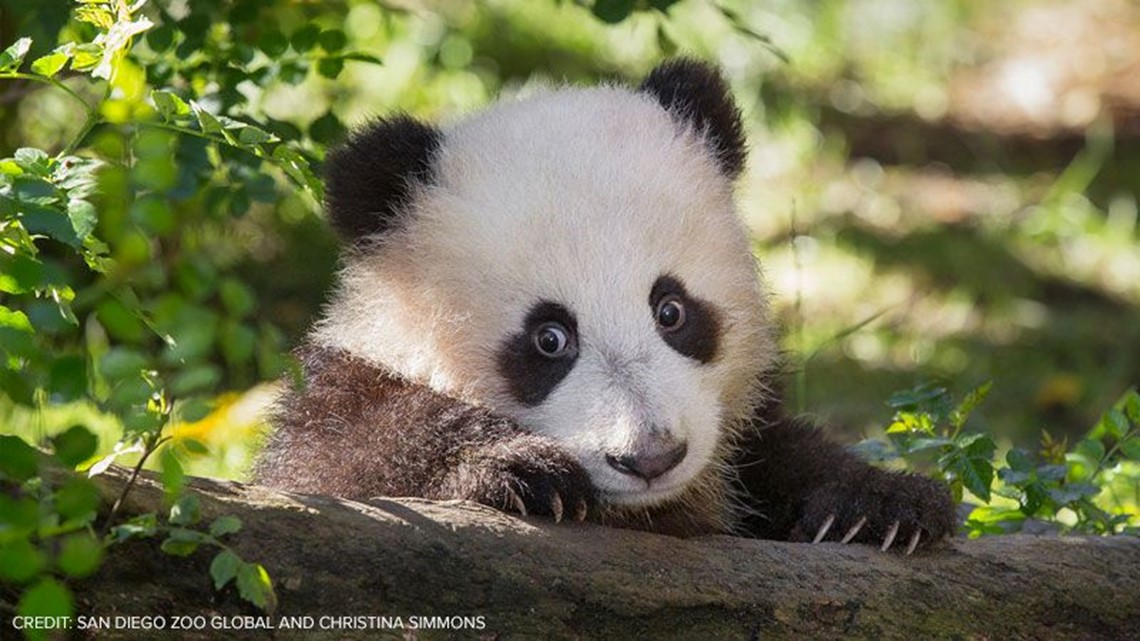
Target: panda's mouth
651, 492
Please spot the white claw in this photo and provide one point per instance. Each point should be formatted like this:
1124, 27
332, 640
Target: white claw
580, 511
516, 501
891, 533
914, 538
854, 529
824, 528
556, 507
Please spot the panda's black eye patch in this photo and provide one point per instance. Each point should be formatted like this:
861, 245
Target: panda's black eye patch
534, 360
686, 323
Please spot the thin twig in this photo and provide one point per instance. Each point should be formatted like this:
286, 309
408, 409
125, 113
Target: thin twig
147, 451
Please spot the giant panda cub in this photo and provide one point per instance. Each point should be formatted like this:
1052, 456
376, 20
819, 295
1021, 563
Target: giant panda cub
551, 308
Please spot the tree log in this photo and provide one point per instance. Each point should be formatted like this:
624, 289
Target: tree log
529, 578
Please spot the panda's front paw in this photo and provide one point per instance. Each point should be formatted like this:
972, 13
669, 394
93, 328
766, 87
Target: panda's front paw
531, 475
881, 508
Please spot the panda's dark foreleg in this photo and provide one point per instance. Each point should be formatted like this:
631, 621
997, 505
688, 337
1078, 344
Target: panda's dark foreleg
800, 486
355, 430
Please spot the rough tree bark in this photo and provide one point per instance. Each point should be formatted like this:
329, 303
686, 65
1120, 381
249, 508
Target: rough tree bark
532, 579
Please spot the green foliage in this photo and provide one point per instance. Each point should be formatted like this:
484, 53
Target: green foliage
46, 522
1063, 486
98, 231
117, 245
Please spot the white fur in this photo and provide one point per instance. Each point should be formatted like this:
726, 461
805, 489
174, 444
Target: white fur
583, 197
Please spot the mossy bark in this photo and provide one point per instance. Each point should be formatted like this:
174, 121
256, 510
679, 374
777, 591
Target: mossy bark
531, 578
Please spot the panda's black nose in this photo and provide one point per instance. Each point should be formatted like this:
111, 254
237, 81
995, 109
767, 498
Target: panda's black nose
649, 464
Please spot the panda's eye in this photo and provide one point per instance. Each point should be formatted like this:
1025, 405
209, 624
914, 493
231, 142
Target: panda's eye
670, 313
552, 340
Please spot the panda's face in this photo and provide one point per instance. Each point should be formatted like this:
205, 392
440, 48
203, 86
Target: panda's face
574, 263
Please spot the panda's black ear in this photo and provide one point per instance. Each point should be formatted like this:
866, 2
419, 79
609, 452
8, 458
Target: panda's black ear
370, 176
695, 93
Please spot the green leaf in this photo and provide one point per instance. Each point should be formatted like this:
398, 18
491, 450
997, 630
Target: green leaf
87, 56
169, 105
207, 120
118, 39
327, 129
122, 362
972, 463
194, 446
68, 378
273, 43
1131, 448
875, 451
50, 222
16, 387
194, 409
79, 556
1035, 495
18, 460
359, 56
254, 586
927, 443
330, 67
13, 56
332, 40
129, 392
961, 413
196, 379
182, 542
75, 446
1091, 449
237, 341
237, 297
78, 499
34, 161
1116, 422
305, 38
613, 11
1073, 492
142, 526
186, 510
1052, 472
20, 561
1131, 403
161, 39
989, 514
224, 525
48, 598
1013, 477
52, 63
123, 324
914, 399
1018, 459
250, 135
224, 568
15, 320
18, 515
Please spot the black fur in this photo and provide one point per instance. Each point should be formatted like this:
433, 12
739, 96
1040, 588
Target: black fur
530, 376
794, 478
695, 93
699, 336
369, 177
358, 432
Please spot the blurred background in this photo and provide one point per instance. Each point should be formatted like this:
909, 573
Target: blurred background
939, 190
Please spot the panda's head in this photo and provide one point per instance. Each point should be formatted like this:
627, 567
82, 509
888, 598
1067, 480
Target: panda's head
572, 260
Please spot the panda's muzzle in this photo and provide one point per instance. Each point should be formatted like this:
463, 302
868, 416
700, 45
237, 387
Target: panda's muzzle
651, 460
